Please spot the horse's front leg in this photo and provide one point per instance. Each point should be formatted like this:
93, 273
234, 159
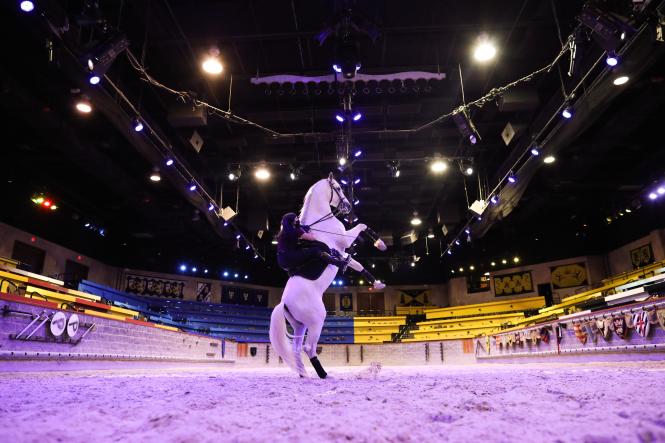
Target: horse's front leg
352, 234
373, 236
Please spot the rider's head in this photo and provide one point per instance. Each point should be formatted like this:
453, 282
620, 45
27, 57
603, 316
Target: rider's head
289, 220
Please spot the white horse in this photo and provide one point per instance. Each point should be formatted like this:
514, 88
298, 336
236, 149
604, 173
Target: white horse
302, 299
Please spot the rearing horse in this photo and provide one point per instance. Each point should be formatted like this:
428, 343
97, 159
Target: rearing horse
302, 299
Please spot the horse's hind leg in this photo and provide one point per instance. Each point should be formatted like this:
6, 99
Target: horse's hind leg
313, 334
298, 336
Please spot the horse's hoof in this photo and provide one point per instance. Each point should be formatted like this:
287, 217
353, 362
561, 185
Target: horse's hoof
378, 285
380, 245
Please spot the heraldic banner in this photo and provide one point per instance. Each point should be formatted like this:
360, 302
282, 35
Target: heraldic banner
156, 287
244, 296
203, 292
642, 256
346, 302
513, 284
568, 276
414, 297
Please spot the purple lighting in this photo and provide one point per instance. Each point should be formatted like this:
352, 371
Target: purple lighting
336, 68
192, 187
512, 178
473, 139
653, 196
535, 152
27, 6
169, 162
612, 59
94, 79
356, 181
339, 118
357, 116
358, 153
567, 113
344, 182
494, 199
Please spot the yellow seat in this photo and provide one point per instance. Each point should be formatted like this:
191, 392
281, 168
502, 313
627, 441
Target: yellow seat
58, 297
519, 304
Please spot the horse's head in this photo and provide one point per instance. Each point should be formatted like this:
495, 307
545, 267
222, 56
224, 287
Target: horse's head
337, 198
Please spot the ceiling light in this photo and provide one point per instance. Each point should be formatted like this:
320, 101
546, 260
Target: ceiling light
493, 263
262, 173
567, 112
205, 271
94, 79
461, 269
471, 268
235, 275
516, 259
192, 186
549, 159
339, 118
84, 106
358, 153
484, 51
292, 176
27, 6
247, 276
620, 80
393, 167
494, 199
612, 59
457, 242
169, 162
155, 176
512, 178
225, 273
356, 181
535, 152
356, 202
466, 127
416, 221
336, 68
211, 207
438, 166
212, 64
342, 161
137, 124
628, 210
504, 261
343, 181
183, 268
468, 170
274, 241
357, 116
653, 196
100, 58
194, 269
430, 234
660, 190
413, 264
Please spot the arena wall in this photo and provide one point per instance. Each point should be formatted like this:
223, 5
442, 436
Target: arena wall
619, 259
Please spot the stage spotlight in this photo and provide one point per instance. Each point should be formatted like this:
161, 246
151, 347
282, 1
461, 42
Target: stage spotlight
84, 106
342, 161
183, 268
192, 186
238, 237
535, 152
343, 181
211, 64
512, 178
608, 29
356, 202
467, 231
247, 248
653, 196
612, 59
413, 264
292, 176
274, 241
484, 50
394, 169
660, 190
430, 233
225, 273
504, 261
339, 118
235, 275
357, 116
567, 112
155, 176
358, 153
466, 127
169, 162
493, 263
468, 170
94, 79
356, 181
620, 80
549, 159
246, 277
100, 59
262, 173
336, 68
416, 221
494, 199
472, 268
194, 269
27, 6
516, 259
137, 124
438, 166
450, 252
457, 242
347, 59
461, 269
205, 271
211, 207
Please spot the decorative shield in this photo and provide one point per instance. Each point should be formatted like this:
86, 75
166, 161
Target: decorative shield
58, 324
72, 325
629, 320
641, 322
620, 326
607, 328
661, 317
545, 335
580, 333
588, 328
252, 351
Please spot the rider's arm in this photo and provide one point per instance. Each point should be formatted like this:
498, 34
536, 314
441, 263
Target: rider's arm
307, 236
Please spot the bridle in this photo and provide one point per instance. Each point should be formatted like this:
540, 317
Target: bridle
342, 207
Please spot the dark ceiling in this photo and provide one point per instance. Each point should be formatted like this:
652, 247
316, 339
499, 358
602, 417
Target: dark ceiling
97, 168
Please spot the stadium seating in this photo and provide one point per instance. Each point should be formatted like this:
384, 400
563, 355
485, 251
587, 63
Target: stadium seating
376, 329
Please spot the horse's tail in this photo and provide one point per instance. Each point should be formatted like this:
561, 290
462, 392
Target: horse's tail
278, 336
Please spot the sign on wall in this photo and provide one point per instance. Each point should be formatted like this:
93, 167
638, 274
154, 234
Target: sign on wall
414, 297
477, 283
346, 301
568, 276
156, 287
239, 295
204, 292
513, 284
642, 256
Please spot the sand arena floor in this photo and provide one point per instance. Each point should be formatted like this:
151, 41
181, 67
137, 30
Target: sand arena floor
484, 403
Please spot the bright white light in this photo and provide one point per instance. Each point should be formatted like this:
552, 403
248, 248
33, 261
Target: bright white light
472, 267
27, 6
183, 268
155, 176
336, 68
535, 152
342, 161
493, 263
415, 221
413, 264
567, 113
516, 259
484, 51
194, 269
232, 176
94, 79
262, 173
339, 118
438, 166
653, 196
549, 159
621, 80
84, 107
169, 161
430, 235
661, 190
212, 65
292, 175
468, 171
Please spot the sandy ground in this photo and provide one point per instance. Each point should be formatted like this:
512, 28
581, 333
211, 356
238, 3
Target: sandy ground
618, 402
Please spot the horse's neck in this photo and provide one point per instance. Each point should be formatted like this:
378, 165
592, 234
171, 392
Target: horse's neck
327, 228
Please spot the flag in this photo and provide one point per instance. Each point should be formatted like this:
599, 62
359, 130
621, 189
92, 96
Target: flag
620, 328
641, 322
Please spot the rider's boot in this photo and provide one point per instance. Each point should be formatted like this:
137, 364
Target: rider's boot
341, 263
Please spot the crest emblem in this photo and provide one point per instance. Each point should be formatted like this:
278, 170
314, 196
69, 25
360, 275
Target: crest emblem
580, 333
620, 326
641, 322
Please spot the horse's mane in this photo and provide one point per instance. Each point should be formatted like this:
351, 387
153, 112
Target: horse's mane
306, 204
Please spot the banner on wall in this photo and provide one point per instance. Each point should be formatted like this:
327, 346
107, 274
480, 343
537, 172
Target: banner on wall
204, 292
346, 301
568, 276
642, 256
155, 287
239, 295
513, 284
414, 297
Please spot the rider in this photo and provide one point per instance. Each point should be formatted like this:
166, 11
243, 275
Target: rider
290, 254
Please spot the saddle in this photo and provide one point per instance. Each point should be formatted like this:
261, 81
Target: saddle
311, 269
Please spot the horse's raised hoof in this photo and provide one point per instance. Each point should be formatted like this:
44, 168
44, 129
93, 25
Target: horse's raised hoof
378, 285
380, 245
317, 366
